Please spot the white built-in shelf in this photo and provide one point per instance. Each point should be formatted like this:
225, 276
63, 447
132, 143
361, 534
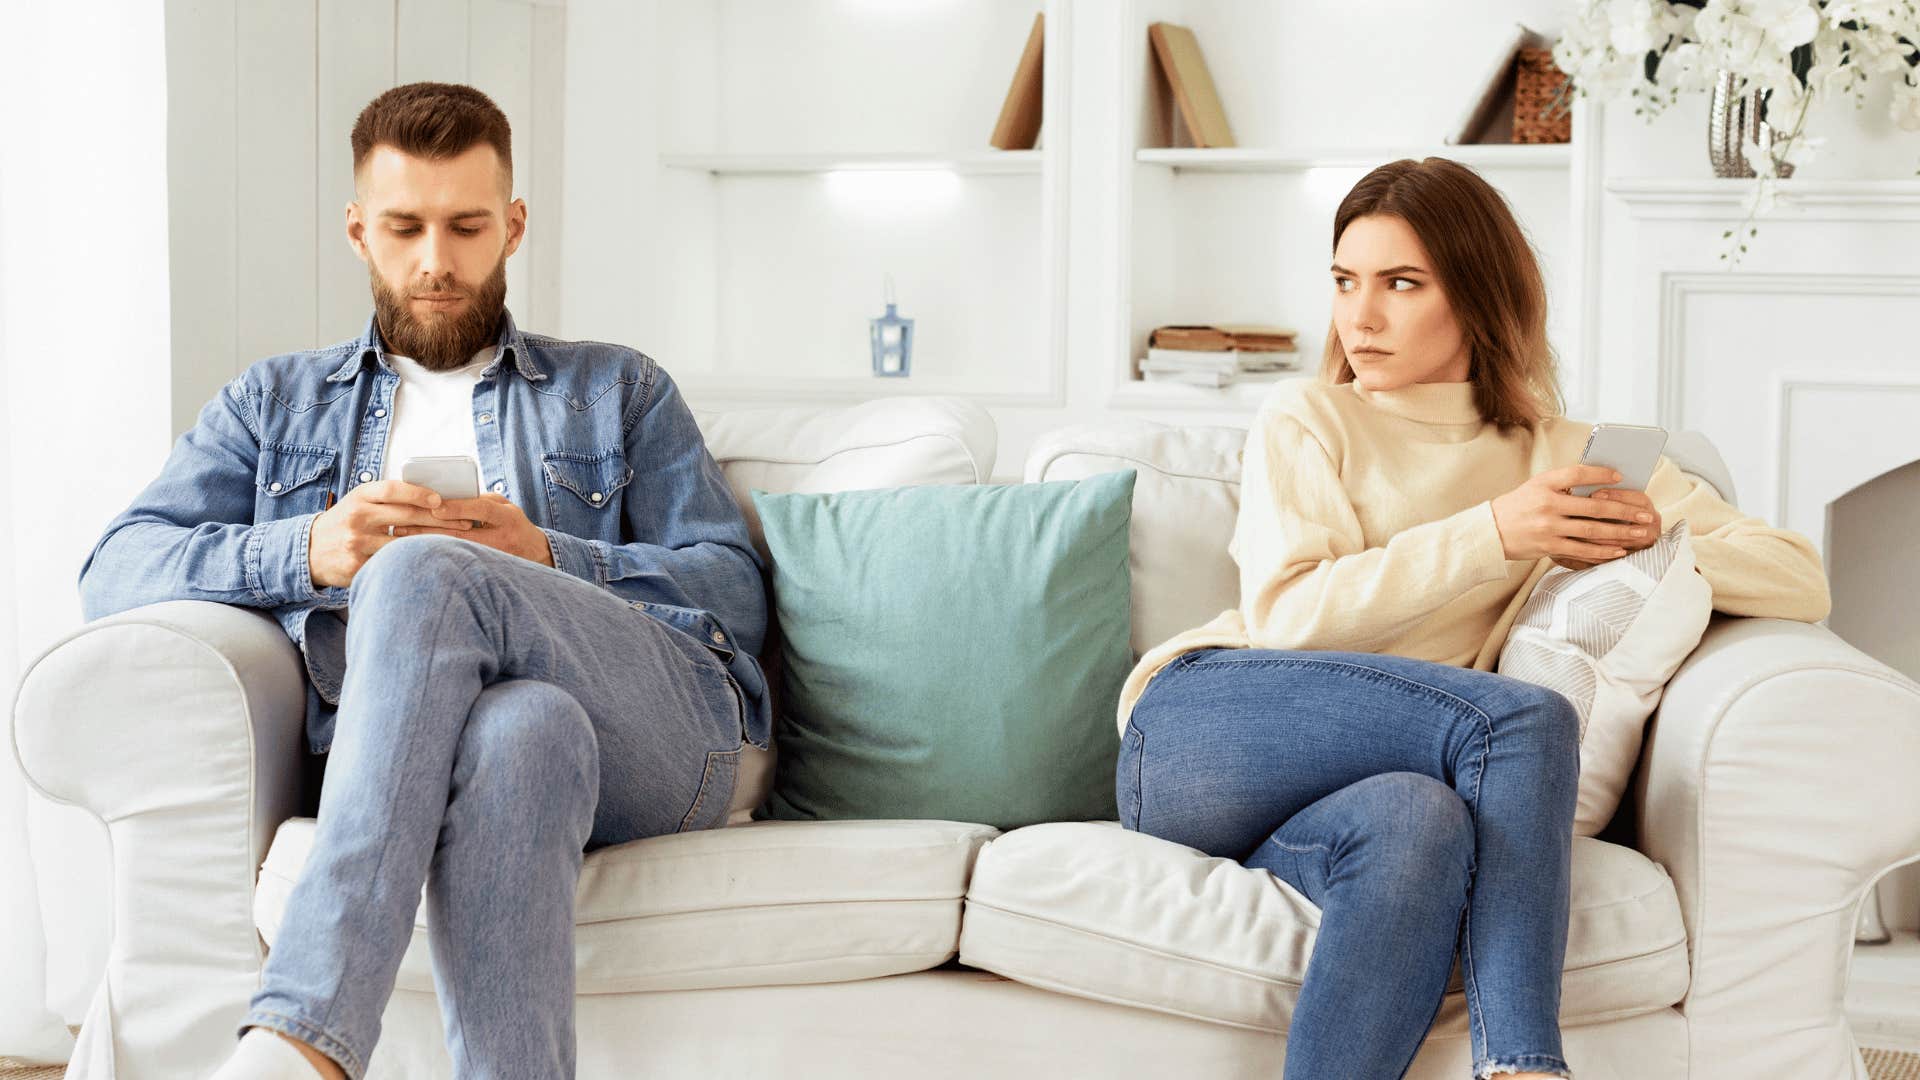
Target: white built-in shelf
1238, 397
1255, 159
989, 162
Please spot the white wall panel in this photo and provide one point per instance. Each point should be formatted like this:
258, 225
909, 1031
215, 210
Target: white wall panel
355, 64
542, 147
430, 41
202, 205
276, 185
499, 63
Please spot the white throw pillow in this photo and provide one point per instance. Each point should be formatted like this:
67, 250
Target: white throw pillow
1608, 638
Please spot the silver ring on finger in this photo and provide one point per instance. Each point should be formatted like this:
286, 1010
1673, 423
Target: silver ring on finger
389, 530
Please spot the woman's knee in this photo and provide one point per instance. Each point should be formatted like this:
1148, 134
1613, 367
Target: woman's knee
1421, 831
1542, 716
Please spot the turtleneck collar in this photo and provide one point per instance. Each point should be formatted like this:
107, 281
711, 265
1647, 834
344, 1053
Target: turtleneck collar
1425, 403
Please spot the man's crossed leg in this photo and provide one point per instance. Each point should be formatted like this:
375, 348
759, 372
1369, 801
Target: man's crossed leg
497, 718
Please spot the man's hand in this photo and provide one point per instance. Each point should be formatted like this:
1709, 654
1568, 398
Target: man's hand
495, 522
1626, 506
349, 532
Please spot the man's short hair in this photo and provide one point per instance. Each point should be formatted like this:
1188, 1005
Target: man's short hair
435, 121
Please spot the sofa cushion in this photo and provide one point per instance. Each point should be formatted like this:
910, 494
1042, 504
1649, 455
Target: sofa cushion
750, 905
1608, 638
890, 442
1089, 908
1184, 503
951, 652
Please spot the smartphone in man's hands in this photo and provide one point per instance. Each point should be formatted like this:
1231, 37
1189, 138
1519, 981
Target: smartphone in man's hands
1628, 449
453, 476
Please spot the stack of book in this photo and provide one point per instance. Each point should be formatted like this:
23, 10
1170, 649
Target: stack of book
1219, 355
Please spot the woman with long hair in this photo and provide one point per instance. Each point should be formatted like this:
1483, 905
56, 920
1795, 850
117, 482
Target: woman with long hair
1343, 727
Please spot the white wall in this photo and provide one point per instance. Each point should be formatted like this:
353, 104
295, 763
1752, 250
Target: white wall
84, 329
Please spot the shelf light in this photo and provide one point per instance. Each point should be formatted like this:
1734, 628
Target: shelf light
904, 189
1330, 183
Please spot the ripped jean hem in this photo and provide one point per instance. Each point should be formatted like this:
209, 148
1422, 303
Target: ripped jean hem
1546, 1063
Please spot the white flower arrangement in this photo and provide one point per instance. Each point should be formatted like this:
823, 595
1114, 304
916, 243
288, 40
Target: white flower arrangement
1794, 52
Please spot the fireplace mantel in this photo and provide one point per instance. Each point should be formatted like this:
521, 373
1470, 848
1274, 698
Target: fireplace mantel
1801, 362
1796, 200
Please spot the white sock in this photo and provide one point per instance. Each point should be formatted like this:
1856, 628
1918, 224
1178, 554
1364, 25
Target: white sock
264, 1055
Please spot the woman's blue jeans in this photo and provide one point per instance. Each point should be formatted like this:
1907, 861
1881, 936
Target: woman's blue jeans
498, 718
1421, 806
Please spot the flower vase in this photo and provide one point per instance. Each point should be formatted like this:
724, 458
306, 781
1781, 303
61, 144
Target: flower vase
1732, 121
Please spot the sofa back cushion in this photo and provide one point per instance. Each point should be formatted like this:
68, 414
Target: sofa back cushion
1185, 499
891, 442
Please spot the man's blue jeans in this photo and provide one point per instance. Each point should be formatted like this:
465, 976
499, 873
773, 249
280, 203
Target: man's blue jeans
497, 718
1419, 805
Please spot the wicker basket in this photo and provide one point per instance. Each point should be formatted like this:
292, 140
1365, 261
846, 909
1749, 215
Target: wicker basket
1536, 83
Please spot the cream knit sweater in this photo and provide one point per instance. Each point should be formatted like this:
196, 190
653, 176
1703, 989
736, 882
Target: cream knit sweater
1366, 525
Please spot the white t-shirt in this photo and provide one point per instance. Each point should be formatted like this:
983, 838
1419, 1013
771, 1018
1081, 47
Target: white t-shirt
433, 412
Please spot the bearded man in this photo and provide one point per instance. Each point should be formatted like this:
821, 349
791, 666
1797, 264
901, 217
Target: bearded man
497, 683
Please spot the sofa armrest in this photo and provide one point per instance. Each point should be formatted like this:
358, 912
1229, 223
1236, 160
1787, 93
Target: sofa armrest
180, 726
1776, 785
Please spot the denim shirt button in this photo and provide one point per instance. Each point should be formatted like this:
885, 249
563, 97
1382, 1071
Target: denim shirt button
275, 486
719, 638
595, 497
366, 478
500, 485
379, 413
486, 418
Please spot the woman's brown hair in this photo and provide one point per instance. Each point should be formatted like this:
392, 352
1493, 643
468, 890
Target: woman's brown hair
1486, 269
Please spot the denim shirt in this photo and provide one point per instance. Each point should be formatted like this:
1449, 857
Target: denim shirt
591, 441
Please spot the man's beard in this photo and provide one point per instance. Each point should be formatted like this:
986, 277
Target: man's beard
441, 340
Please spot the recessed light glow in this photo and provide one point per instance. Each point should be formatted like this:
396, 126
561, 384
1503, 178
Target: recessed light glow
894, 190
1330, 183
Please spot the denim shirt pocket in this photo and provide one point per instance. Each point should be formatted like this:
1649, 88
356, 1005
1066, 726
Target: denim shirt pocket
584, 492
291, 480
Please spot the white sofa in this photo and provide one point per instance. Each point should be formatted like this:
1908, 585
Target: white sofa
1710, 938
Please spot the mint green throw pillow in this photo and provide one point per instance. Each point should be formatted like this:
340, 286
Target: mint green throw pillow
951, 651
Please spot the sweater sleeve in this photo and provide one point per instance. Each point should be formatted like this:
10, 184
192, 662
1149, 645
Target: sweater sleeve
1754, 569
1307, 577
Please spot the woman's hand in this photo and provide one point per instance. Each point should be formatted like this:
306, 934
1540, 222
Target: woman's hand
1638, 507
1541, 519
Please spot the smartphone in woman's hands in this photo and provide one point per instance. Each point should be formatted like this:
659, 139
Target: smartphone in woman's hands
1628, 449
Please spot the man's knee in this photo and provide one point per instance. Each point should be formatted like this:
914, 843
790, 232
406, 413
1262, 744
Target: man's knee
532, 743
412, 562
